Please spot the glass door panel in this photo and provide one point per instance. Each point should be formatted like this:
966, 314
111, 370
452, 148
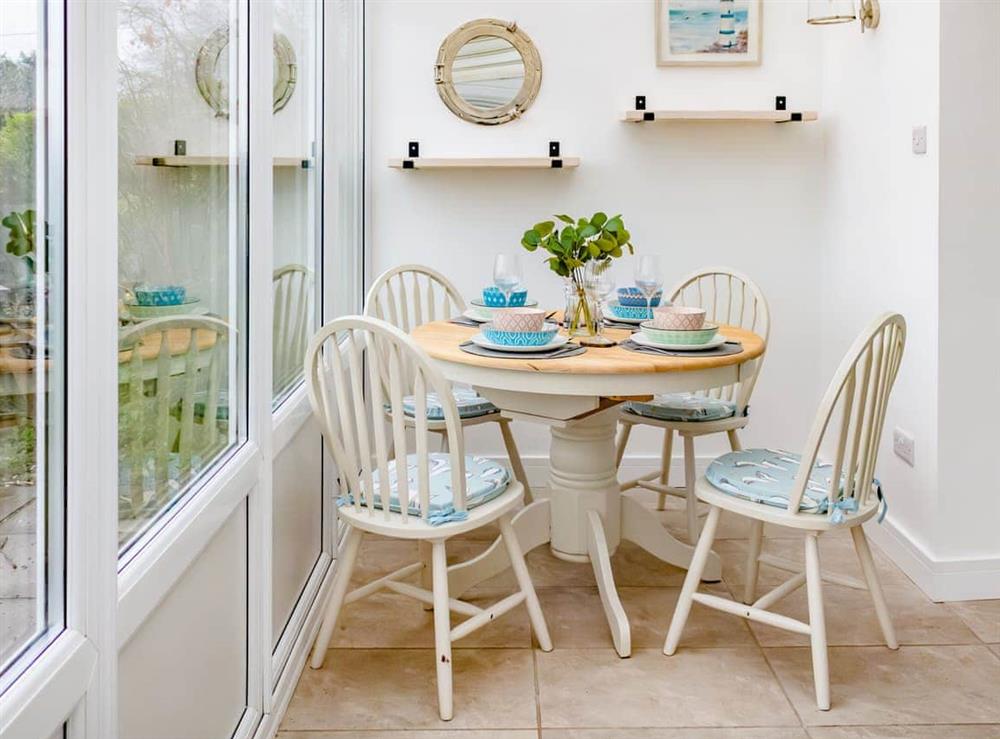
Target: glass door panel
182, 245
32, 344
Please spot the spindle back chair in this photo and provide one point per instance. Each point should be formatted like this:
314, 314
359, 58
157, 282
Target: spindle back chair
731, 298
345, 364
848, 424
292, 293
167, 368
412, 294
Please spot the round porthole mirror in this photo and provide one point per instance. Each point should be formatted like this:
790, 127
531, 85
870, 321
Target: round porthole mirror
488, 71
213, 61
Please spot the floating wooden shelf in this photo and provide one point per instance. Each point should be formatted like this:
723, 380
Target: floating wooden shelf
212, 161
485, 163
731, 116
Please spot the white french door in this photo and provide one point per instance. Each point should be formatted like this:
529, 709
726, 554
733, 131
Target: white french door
185, 537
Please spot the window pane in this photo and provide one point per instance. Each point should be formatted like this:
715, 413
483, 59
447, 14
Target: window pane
297, 176
182, 249
31, 341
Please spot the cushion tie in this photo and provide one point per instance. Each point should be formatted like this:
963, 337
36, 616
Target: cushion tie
881, 500
850, 505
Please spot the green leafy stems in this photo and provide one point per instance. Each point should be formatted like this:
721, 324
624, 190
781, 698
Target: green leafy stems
580, 245
21, 242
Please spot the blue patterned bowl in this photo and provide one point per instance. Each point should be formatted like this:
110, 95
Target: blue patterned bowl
160, 295
520, 338
631, 313
632, 296
493, 297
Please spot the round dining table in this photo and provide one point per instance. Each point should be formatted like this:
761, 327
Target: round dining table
585, 516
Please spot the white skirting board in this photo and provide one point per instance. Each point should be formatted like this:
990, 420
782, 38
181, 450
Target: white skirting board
940, 579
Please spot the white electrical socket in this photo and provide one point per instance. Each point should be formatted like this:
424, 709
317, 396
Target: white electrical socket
920, 139
902, 445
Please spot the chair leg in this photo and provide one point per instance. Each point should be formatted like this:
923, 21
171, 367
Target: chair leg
343, 577
689, 479
666, 457
515, 459
874, 586
520, 568
755, 541
691, 581
624, 431
445, 447
427, 573
817, 622
734, 440
442, 630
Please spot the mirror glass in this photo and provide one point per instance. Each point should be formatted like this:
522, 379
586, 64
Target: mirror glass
488, 72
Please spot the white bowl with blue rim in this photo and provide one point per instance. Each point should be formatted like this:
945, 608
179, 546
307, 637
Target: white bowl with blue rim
629, 313
520, 338
493, 297
634, 297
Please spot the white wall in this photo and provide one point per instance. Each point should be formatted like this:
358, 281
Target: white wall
969, 262
746, 196
918, 234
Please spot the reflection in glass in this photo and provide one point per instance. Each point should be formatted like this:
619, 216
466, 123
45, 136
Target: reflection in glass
181, 243
31, 361
297, 224
488, 72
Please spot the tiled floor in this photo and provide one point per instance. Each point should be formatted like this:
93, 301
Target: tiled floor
729, 680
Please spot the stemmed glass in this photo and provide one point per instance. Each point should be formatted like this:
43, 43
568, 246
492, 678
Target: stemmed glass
599, 287
648, 278
507, 274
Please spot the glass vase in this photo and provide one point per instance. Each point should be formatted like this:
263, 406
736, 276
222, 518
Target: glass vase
582, 310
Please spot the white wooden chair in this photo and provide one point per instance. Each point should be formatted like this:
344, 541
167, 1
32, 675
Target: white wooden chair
446, 493
772, 486
292, 291
170, 375
412, 294
727, 297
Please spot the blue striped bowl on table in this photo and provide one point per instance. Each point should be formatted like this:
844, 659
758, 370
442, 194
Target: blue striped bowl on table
520, 338
494, 298
633, 297
630, 313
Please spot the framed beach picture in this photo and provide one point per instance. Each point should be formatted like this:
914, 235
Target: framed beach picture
707, 32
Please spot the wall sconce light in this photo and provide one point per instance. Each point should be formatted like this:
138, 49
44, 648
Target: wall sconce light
827, 12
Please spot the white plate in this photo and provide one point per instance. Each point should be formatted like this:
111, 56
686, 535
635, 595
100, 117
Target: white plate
640, 338
559, 340
473, 316
615, 319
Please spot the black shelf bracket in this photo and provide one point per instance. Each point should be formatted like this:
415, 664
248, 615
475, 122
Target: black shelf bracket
780, 102
412, 152
554, 149
180, 148
640, 104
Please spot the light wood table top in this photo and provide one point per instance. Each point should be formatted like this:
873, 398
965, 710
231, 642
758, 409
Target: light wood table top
441, 340
11, 364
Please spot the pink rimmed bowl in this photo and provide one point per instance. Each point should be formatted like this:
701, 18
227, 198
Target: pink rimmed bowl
679, 318
518, 319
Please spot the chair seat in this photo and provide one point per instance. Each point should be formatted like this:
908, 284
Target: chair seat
767, 476
485, 479
683, 407
470, 405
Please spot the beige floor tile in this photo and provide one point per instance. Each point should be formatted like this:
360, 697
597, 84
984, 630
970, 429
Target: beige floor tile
996, 649
685, 733
576, 619
876, 686
954, 731
362, 689
634, 566
444, 734
379, 556
594, 688
982, 616
389, 620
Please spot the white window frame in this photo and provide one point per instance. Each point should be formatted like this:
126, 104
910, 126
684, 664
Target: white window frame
74, 681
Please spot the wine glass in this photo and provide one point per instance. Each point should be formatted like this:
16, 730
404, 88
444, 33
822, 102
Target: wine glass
648, 278
507, 274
